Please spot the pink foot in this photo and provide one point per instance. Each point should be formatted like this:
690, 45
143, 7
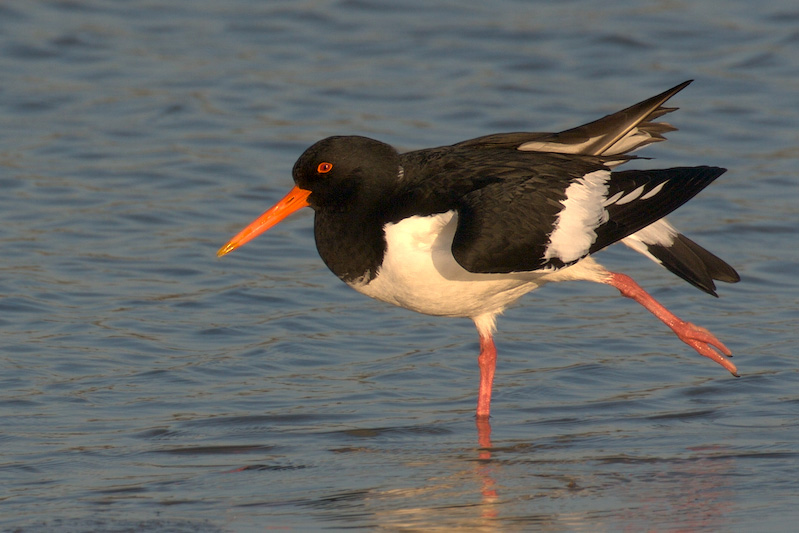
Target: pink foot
705, 343
697, 337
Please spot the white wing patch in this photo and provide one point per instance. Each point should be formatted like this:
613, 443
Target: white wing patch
630, 196
632, 140
622, 197
558, 148
612, 200
583, 211
654, 191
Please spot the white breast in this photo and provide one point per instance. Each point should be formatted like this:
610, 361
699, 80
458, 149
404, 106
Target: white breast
420, 273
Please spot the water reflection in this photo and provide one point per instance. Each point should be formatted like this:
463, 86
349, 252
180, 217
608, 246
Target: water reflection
694, 493
564, 480
689, 494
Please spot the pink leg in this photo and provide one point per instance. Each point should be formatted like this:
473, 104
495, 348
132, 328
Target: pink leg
488, 364
694, 336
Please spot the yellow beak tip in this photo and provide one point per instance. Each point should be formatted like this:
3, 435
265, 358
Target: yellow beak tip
226, 249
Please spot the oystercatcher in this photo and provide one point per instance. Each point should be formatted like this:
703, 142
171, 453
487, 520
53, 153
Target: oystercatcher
464, 230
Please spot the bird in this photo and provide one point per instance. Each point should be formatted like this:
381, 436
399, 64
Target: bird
464, 230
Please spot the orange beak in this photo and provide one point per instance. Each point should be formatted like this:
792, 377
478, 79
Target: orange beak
296, 199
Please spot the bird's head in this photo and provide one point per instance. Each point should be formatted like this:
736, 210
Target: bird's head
335, 174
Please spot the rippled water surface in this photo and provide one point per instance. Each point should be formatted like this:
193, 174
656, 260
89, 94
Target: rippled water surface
146, 385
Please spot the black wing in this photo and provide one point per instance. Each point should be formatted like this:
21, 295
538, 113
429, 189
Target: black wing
554, 219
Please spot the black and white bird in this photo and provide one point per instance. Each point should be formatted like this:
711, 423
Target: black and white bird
465, 230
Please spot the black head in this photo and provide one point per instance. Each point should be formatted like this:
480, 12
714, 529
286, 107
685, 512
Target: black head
345, 171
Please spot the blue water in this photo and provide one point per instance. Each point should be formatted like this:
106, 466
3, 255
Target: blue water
146, 385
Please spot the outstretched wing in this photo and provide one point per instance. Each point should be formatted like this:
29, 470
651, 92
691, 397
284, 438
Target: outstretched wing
615, 134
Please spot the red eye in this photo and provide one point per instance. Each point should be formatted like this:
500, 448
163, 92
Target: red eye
324, 167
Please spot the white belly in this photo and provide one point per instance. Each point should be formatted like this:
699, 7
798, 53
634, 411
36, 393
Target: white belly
419, 273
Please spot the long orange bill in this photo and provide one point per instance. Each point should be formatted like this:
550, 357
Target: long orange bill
296, 199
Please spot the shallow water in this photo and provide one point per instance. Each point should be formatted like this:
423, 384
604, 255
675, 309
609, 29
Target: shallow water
147, 385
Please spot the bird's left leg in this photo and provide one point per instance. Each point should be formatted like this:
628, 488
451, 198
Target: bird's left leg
694, 336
